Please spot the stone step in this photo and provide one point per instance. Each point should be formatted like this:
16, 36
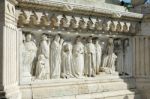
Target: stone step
80, 87
123, 94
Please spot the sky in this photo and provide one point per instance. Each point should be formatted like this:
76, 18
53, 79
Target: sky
130, 1
127, 1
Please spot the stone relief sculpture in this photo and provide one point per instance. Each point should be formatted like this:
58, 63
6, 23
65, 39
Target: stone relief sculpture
22, 19
118, 43
44, 20
119, 27
73, 23
33, 19
90, 63
82, 24
112, 26
98, 25
109, 58
125, 27
90, 24
98, 55
78, 58
29, 55
67, 61
64, 22
42, 72
44, 49
105, 25
53, 22
55, 57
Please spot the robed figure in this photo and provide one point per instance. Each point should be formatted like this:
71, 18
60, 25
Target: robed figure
78, 58
90, 66
55, 57
109, 58
67, 61
44, 50
98, 55
29, 55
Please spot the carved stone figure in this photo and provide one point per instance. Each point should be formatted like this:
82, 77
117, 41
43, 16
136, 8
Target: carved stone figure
82, 24
119, 52
109, 58
55, 59
44, 49
33, 19
73, 23
112, 26
125, 27
90, 24
44, 21
98, 25
30, 54
64, 22
78, 58
90, 64
67, 61
41, 68
119, 27
22, 19
105, 25
53, 21
98, 55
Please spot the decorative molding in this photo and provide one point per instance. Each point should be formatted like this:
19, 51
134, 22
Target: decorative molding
78, 9
54, 21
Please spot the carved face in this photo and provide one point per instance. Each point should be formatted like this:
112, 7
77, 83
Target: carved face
28, 37
57, 38
44, 37
90, 40
96, 41
41, 57
110, 40
78, 39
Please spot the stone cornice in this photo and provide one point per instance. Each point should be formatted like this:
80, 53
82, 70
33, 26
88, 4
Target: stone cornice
79, 9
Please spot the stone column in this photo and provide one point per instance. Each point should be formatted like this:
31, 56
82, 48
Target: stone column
9, 51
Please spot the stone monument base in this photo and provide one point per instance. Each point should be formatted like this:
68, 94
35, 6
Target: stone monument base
101, 87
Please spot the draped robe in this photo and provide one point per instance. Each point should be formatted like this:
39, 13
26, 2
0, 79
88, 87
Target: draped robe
29, 56
44, 50
55, 60
98, 57
78, 59
90, 65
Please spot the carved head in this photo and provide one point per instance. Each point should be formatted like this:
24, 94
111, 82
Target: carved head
28, 37
44, 37
41, 57
57, 37
78, 39
89, 39
96, 40
110, 40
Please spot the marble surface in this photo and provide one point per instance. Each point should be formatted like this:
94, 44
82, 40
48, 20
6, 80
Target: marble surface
105, 86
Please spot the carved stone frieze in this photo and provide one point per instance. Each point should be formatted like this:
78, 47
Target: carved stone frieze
73, 22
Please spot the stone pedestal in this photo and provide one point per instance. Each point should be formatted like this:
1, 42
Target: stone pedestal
102, 87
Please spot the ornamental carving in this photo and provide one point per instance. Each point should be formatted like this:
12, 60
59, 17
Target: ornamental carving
74, 23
